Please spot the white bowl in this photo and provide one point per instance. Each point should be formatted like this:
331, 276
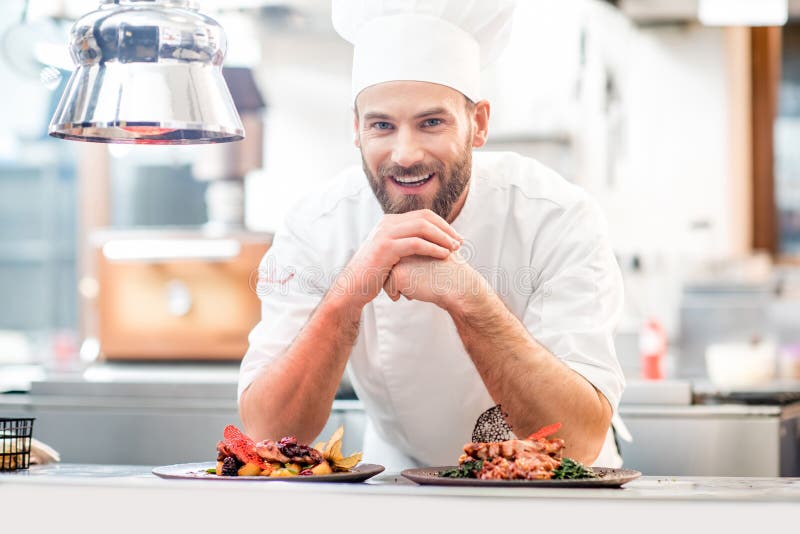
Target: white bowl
740, 364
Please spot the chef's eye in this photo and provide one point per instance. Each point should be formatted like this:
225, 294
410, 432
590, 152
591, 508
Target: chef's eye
429, 123
382, 125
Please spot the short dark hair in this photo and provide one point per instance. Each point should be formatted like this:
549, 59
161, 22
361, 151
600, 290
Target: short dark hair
469, 104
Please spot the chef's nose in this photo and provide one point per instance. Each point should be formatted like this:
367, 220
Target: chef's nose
407, 150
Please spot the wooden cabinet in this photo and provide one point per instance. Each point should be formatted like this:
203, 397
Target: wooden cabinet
177, 297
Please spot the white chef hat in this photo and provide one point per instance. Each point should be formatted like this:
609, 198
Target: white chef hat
439, 41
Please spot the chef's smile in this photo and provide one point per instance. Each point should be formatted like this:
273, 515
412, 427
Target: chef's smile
412, 185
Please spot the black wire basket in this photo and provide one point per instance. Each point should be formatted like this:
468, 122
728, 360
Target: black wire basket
15, 443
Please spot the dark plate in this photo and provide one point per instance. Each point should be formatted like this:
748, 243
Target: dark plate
607, 478
197, 471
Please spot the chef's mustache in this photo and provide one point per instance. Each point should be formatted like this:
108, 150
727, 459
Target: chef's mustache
420, 169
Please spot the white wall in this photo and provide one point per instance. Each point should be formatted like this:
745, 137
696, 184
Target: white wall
674, 168
655, 153
667, 194
308, 133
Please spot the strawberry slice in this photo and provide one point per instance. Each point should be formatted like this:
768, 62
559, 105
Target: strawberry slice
545, 431
242, 446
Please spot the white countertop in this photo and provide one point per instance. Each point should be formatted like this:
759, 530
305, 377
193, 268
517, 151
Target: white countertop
129, 499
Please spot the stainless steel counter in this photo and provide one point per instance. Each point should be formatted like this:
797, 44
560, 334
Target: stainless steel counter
145, 414
129, 499
700, 430
148, 414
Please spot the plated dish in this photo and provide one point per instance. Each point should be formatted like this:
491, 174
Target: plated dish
606, 478
534, 461
200, 471
239, 456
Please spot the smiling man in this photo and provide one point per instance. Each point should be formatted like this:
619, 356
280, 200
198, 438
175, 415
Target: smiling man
450, 282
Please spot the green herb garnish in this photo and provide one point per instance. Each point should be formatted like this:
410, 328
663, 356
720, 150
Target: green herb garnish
211, 470
570, 469
465, 470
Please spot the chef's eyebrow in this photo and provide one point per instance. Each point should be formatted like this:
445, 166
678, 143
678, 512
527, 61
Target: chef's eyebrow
372, 115
432, 111
376, 115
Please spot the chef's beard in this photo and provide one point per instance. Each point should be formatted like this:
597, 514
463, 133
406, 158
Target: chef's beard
451, 185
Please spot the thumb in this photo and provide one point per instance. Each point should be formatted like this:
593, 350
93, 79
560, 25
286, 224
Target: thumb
389, 288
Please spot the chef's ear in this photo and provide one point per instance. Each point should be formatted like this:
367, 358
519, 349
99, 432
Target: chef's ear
356, 140
480, 123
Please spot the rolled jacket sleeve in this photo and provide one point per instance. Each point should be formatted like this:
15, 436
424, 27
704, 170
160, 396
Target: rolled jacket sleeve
578, 300
290, 285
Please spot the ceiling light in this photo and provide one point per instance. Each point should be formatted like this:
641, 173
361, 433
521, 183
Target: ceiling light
743, 12
147, 72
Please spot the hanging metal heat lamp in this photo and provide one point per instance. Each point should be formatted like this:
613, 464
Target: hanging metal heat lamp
148, 72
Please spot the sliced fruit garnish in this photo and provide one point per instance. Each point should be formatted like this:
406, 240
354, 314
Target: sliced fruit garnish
332, 452
293, 467
347, 463
334, 439
322, 468
249, 470
336, 451
545, 431
283, 473
242, 446
268, 471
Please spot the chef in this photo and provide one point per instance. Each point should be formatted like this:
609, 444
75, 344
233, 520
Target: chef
445, 283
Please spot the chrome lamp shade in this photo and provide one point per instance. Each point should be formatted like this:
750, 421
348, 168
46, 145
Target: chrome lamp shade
148, 72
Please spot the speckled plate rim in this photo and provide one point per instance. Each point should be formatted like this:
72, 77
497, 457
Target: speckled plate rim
197, 471
608, 478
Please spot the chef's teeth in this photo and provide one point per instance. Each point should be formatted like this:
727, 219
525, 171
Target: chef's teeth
412, 179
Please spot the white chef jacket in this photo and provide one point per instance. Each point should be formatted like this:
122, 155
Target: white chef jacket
539, 240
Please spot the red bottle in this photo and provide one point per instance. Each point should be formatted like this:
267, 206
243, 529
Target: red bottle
652, 349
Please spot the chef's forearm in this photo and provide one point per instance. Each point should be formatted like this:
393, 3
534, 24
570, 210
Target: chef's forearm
534, 387
294, 395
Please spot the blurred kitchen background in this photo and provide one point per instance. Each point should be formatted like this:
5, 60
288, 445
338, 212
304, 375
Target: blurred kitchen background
127, 272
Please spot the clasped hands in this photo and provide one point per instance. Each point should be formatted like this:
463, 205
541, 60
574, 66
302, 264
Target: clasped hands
412, 255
